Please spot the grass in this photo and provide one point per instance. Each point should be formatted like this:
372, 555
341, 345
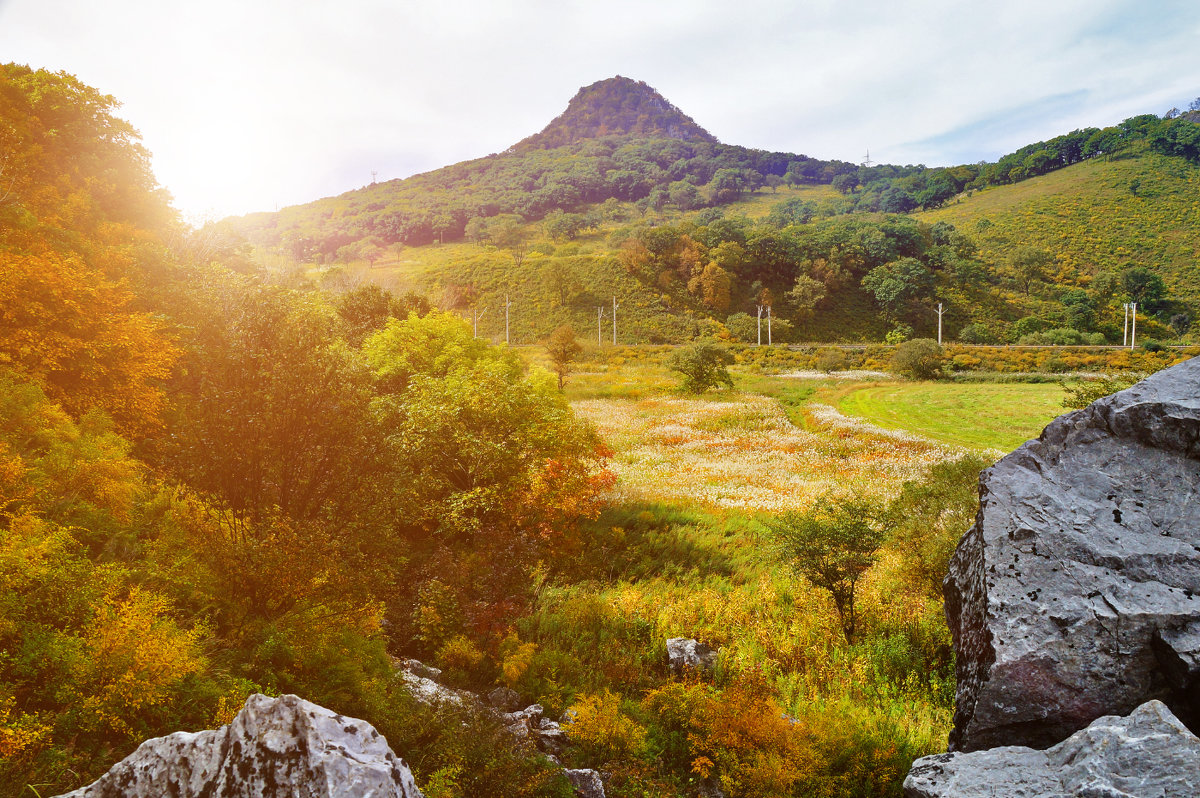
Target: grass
978, 416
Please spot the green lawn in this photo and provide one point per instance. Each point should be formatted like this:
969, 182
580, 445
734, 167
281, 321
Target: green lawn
978, 416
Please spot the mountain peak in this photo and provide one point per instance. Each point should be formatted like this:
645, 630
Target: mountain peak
617, 106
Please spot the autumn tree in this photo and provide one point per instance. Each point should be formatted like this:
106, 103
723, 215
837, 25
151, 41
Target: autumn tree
80, 201
563, 349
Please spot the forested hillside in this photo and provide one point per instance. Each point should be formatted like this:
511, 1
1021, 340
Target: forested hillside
213, 483
623, 196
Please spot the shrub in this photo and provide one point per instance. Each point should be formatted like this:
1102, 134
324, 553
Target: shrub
601, 732
703, 366
899, 334
918, 359
831, 360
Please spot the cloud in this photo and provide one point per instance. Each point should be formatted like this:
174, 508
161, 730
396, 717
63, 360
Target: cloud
250, 104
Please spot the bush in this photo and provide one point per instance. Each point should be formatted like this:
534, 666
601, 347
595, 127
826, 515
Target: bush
831, 360
703, 366
899, 334
601, 732
918, 359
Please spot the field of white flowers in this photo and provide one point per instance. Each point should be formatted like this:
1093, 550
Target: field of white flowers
745, 454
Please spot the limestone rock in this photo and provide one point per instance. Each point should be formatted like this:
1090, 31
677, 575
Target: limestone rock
1074, 595
1148, 754
427, 691
504, 699
587, 783
685, 654
418, 668
274, 746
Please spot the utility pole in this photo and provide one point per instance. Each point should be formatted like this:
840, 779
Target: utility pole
1125, 326
599, 323
507, 305
615, 306
477, 313
760, 310
768, 325
939, 324
1132, 325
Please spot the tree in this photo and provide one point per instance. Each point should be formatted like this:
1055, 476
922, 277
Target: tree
563, 349
832, 546
1029, 264
805, 295
1143, 287
896, 286
703, 366
918, 359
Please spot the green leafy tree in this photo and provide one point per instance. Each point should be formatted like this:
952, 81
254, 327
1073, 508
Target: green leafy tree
832, 546
703, 365
1029, 264
898, 285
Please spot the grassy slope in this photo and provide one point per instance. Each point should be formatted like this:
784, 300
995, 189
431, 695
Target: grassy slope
1089, 216
977, 416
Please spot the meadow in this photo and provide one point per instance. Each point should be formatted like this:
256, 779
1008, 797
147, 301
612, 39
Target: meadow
684, 551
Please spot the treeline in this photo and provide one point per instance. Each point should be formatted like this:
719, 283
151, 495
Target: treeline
213, 484
890, 190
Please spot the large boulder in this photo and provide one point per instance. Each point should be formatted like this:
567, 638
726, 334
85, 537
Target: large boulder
274, 746
1148, 754
1074, 595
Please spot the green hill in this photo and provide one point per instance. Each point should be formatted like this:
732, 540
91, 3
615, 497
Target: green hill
624, 195
1096, 216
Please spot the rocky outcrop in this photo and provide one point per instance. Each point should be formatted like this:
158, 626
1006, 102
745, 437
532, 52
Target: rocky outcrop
684, 654
1075, 594
274, 746
1148, 754
587, 783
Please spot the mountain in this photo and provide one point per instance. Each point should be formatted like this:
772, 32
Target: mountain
624, 195
617, 106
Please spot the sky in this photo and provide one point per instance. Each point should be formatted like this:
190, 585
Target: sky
251, 105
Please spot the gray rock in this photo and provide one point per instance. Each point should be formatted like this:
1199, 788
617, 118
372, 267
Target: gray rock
274, 746
685, 654
415, 666
1148, 754
427, 691
1074, 595
504, 699
587, 783
551, 739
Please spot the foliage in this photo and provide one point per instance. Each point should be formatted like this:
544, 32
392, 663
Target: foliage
563, 349
80, 221
918, 359
930, 515
1084, 392
602, 732
703, 366
832, 546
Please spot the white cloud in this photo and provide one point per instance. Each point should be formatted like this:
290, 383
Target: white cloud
250, 104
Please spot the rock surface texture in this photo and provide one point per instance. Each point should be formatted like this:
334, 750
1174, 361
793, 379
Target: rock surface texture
1075, 594
274, 746
1148, 754
684, 654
